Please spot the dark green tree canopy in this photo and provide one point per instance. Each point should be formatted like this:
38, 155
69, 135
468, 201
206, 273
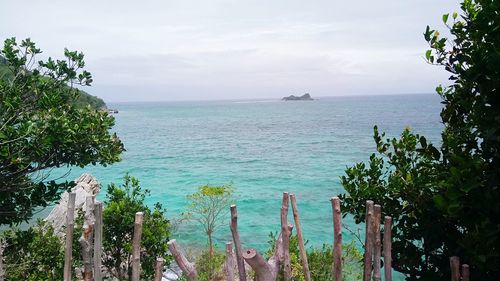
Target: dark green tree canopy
445, 202
42, 127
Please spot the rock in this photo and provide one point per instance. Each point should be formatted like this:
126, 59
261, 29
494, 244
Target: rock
86, 185
305, 96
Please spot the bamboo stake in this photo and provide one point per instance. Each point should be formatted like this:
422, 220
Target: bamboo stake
465, 272
68, 246
186, 267
287, 269
377, 276
136, 246
98, 241
455, 268
388, 248
303, 254
368, 242
159, 269
237, 244
337, 239
229, 263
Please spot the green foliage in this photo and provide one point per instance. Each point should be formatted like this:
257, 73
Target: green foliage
209, 206
122, 202
445, 202
320, 260
401, 178
33, 254
210, 268
41, 128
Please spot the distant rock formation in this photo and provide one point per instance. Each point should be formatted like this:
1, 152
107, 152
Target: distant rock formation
86, 185
305, 96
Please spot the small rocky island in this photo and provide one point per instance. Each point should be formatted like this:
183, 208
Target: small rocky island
305, 96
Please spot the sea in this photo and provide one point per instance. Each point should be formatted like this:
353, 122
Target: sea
263, 148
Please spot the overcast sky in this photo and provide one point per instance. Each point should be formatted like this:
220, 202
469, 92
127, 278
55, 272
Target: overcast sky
233, 49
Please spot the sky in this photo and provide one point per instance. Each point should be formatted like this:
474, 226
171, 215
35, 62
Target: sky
174, 50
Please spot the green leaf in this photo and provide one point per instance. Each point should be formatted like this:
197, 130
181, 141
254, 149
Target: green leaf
445, 18
428, 54
455, 15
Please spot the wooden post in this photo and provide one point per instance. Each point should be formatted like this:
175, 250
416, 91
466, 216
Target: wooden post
98, 241
388, 248
455, 268
186, 267
367, 271
159, 269
68, 246
229, 263
237, 244
2, 273
377, 210
303, 253
337, 239
85, 240
287, 269
465, 272
136, 246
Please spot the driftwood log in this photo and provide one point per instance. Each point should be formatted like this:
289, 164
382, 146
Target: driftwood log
368, 257
287, 267
186, 267
230, 262
337, 240
159, 269
136, 246
266, 270
68, 245
388, 248
300, 237
237, 244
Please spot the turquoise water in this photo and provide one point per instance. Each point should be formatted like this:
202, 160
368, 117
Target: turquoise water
263, 148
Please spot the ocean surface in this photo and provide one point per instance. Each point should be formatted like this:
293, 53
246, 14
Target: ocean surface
263, 148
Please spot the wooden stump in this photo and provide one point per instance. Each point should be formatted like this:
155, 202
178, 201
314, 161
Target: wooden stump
68, 245
186, 267
337, 239
159, 269
368, 257
388, 248
300, 237
237, 244
136, 246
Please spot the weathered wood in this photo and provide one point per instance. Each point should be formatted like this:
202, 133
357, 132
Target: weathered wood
159, 269
229, 263
2, 273
186, 267
377, 210
136, 246
303, 254
266, 270
367, 271
455, 268
68, 246
85, 240
388, 248
465, 272
237, 244
86, 251
98, 241
287, 268
337, 239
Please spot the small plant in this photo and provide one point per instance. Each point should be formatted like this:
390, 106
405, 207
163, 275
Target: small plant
210, 268
209, 206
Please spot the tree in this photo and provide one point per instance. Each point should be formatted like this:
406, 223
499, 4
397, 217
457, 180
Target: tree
41, 128
122, 202
445, 202
209, 206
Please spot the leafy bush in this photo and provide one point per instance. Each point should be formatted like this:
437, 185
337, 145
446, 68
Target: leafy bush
210, 268
33, 254
320, 260
122, 202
